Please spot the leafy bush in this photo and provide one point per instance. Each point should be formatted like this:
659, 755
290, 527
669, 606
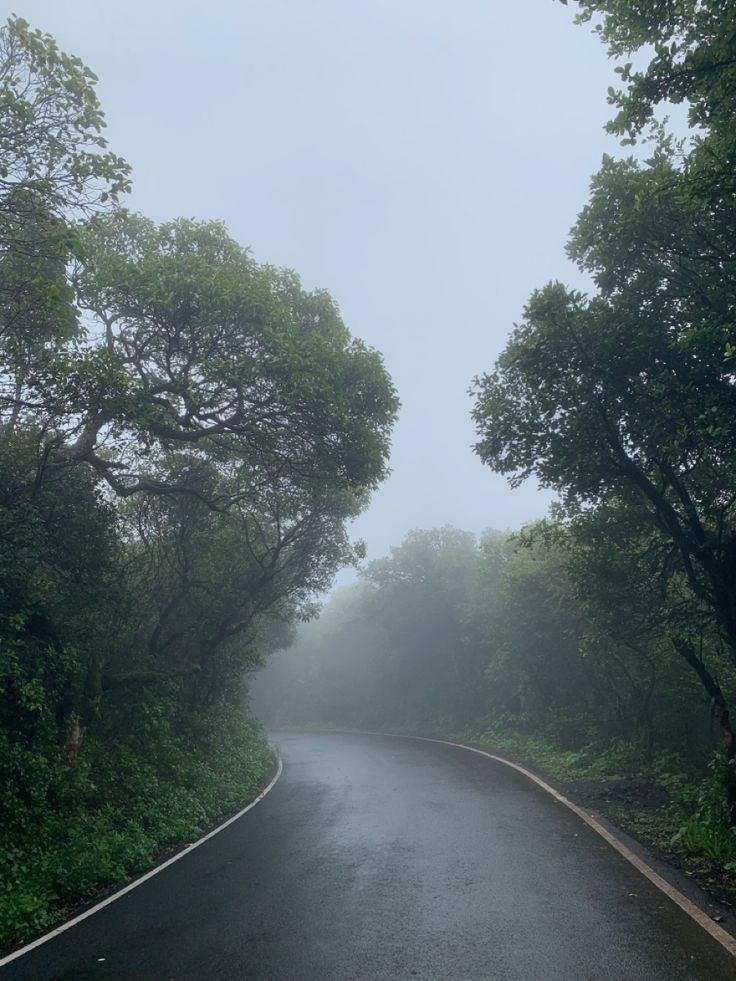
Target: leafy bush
147, 778
708, 832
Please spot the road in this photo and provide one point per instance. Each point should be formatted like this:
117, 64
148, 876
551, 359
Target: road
379, 858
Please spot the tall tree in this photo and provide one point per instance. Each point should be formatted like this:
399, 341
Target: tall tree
632, 390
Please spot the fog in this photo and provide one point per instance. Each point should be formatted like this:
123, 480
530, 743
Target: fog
422, 161
185, 424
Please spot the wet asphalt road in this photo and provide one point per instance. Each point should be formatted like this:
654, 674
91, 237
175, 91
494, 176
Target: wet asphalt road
374, 858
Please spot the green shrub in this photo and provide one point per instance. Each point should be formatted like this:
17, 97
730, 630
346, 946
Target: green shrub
707, 832
148, 777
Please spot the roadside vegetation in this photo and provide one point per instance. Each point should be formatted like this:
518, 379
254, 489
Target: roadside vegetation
602, 641
183, 434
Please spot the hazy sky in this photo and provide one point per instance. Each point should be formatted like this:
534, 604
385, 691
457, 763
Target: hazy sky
420, 159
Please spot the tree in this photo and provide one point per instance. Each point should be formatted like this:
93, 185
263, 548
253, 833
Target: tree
51, 144
692, 51
231, 409
207, 582
62, 601
421, 592
208, 351
531, 633
631, 388
640, 605
55, 169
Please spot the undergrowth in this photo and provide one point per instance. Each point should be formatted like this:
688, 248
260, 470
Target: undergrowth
694, 824
592, 761
143, 782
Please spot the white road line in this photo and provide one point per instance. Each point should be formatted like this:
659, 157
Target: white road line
718, 933
148, 875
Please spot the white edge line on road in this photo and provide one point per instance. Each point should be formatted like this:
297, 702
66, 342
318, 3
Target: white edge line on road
718, 933
187, 850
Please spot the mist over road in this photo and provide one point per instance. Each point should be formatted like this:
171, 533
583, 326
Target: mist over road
376, 857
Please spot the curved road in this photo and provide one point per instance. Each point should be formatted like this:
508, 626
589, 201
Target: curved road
378, 858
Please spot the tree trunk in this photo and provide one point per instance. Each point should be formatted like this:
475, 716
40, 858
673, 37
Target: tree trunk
720, 708
73, 741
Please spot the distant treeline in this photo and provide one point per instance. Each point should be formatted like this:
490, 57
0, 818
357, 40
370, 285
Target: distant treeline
552, 632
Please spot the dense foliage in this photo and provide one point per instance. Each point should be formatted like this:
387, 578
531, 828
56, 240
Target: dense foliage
539, 630
183, 434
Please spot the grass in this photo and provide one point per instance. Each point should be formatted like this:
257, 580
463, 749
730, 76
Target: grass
592, 761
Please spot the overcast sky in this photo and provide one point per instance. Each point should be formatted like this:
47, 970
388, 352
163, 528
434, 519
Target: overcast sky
422, 160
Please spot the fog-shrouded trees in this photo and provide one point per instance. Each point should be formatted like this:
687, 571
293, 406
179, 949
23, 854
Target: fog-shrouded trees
418, 594
556, 632
392, 650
